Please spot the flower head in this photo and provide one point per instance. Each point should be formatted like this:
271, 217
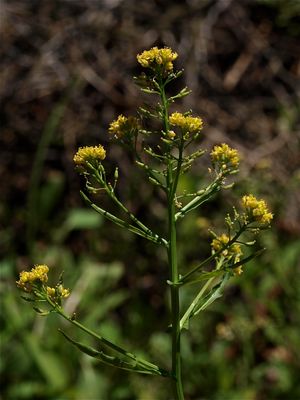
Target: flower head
89, 154
34, 282
256, 210
50, 291
38, 274
232, 252
156, 57
57, 293
225, 157
186, 123
123, 125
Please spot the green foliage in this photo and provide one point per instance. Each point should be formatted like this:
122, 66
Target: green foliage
164, 162
245, 347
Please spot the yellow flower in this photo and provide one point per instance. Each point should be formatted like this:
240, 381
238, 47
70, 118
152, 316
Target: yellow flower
238, 271
65, 292
89, 154
156, 57
34, 280
123, 125
186, 123
58, 293
225, 156
50, 291
40, 272
171, 135
219, 242
232, 252
27, 278
256, 210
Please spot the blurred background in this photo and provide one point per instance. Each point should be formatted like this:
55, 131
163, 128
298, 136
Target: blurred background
66, 73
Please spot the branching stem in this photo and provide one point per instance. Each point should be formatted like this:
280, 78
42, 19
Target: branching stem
172, 181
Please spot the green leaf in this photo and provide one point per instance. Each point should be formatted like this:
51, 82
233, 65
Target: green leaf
107, 359
41, 312
200, 303
82, 347
213, 295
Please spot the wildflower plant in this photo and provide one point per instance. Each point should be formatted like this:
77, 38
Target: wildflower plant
163, 163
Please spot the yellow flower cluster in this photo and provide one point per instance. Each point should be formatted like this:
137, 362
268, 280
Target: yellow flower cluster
39, 273
89, 154
123, 125
186, 123
257, 210
157, 57
225, 156
232, 252
60, 292
36, 278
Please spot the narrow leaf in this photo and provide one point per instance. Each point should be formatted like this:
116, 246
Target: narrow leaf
41, 312
82, 347
200, 303
110, 360
213, 295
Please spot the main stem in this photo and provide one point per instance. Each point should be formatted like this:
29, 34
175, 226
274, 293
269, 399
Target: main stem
175, 307
173, 268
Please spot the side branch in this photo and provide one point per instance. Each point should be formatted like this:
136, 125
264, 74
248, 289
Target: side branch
149, 235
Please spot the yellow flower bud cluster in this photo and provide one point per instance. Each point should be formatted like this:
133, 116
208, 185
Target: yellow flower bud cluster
123, 125
89, 154
233, 252
39, 273
186, 123
59, 292
225, 156
36, 279
256, 210
157, 57
50, 291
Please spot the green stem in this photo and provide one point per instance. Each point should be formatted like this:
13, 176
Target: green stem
175, 306
172, 259
150, 171
109, 190
123, 224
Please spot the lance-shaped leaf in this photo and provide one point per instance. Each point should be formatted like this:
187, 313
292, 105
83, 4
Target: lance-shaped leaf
41, 312
200, 303
214, 294
113, 361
